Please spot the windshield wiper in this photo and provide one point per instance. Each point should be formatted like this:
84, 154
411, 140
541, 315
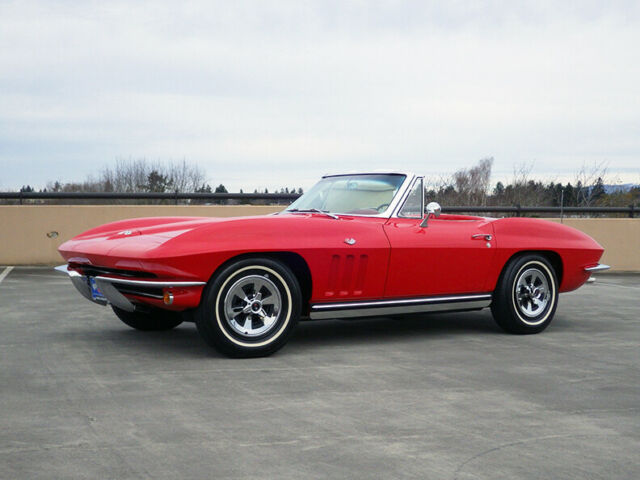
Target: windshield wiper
313, 210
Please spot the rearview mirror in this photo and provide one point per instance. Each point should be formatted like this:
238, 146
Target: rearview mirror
433, 208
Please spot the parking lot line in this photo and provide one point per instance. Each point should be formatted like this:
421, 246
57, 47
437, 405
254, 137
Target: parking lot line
4, 274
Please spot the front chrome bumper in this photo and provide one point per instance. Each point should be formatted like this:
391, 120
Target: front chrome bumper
81, 282
597, 268
110, 292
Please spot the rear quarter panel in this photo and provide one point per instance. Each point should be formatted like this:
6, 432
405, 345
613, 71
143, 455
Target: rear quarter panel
575, 249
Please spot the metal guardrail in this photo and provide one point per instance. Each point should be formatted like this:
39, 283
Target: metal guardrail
517, 210
175, 196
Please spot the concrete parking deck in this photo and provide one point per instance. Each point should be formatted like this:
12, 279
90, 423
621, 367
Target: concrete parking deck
444, 396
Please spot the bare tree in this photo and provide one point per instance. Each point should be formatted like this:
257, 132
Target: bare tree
524, 189
142, 175
464, 187
589, 183
126, 175
479, 179
185, 177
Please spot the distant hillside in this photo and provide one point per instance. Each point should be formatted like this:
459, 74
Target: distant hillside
625, 187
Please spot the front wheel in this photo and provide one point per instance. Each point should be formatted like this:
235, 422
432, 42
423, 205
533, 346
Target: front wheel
154, 320
526, 297
249, 308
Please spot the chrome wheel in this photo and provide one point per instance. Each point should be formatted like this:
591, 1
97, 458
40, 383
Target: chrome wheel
532, 294
249, 307
252, 305
526, 295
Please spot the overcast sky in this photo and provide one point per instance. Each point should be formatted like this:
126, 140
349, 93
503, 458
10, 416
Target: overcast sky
266, 94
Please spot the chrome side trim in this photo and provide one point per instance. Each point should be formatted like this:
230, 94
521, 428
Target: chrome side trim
126, 281
393, 307
149, 283
597, 268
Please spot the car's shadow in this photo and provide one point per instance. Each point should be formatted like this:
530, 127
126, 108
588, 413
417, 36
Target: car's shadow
356, 331
185, 342
181, 342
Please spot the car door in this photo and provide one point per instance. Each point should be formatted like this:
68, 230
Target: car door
452, 254
348, 257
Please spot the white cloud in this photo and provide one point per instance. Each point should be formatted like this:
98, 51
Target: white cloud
272, 94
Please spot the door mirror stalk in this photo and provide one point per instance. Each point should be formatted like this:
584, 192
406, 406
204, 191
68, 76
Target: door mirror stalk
433, 208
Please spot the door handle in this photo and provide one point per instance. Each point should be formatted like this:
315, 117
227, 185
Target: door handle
483, 236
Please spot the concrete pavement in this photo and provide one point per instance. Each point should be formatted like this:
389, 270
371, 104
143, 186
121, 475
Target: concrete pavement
445, 396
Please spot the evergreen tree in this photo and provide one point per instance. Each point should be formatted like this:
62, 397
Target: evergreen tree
220, 189
570, 199
204, 189
156, 182
598, 191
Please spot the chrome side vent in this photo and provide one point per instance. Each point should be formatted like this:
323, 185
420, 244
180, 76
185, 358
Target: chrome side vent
347, 275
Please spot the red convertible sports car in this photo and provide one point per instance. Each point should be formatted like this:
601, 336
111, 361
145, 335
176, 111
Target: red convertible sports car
354, 245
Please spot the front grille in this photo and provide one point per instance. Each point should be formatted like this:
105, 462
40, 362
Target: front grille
95, 271
141, 291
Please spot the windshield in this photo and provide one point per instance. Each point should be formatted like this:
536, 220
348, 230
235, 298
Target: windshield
350, 194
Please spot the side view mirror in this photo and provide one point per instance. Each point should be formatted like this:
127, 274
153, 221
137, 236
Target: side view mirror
433, 208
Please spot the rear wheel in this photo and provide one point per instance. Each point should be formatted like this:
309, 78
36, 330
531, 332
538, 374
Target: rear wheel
250, 308
154, 320
526, 297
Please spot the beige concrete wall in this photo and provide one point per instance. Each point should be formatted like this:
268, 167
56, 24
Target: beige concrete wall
24, 229
620, 238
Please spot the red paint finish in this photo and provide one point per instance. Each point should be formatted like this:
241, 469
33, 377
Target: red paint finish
390, 258
193, 249
576, 250
441, 258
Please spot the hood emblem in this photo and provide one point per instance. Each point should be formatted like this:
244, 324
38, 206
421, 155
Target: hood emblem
125, 232
350, 241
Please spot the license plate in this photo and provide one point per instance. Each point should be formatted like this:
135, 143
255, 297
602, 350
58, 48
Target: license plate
96, 294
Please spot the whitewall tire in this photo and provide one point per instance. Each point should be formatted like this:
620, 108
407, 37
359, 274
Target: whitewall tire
250, 308
526, 296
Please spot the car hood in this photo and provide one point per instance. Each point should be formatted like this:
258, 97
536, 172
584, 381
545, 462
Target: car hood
136, 235
155, 237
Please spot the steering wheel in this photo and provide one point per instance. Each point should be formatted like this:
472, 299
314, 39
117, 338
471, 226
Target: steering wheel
382, 207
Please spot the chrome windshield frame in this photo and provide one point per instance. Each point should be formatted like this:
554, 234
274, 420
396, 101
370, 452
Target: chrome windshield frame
405, 197
395, 201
